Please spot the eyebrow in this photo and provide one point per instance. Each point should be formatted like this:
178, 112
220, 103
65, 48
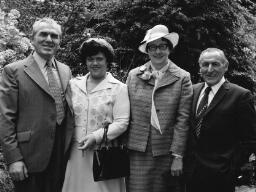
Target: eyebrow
158, 44
207, 62
49, 33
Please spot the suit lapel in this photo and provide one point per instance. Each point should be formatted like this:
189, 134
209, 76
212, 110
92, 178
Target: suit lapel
63, 74
167, 79
197, 91
33, 71
68, 97
170, 76
151, 81
218, 97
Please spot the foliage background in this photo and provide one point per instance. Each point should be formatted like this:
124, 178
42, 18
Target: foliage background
227, 24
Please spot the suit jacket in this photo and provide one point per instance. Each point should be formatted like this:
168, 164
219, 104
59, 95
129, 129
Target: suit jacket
173, 98
28, 114
229, 120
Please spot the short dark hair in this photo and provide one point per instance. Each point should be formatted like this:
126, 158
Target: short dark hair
93, 47
169, 44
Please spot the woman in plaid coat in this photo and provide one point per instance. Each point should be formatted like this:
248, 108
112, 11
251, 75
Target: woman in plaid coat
160, 95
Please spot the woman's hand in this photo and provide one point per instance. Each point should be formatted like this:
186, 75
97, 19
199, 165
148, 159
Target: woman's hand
88, 142
176, 168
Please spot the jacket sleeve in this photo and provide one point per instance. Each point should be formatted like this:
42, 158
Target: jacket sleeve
8, 115
181, 127
246, 119
121, 115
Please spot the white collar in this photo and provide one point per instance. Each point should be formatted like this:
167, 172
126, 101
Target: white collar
41, 61
104, 84
215, 87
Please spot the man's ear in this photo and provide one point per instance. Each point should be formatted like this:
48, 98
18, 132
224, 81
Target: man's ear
226, 67
32, 42
200, 71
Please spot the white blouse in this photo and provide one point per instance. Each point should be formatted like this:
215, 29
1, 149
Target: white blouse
107, 102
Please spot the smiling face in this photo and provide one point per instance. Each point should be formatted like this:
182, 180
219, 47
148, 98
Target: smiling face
46, 40
158, 52
212, 67
97, 65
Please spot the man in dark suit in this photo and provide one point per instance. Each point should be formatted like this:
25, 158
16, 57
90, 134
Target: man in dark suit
36, 122
223, 116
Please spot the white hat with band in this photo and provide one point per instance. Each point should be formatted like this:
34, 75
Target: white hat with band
157, 32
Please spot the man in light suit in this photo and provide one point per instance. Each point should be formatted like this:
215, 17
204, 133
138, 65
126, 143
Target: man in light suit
227, 119
36, 122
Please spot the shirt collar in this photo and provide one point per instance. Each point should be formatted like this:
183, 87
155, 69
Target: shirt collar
216, 87
104, 84
163, 69
41, 61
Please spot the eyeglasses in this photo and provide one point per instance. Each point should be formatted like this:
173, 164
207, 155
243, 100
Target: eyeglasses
161, 47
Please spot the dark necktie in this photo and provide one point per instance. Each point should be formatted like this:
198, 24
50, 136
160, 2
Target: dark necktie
56, 93
202, 107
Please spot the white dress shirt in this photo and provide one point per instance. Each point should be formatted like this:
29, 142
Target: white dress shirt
41, 63
212, 93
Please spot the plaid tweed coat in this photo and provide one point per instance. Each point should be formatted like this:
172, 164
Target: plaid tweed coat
173, 98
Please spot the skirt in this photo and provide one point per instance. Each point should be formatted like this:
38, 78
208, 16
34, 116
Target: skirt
146, 171
79, 175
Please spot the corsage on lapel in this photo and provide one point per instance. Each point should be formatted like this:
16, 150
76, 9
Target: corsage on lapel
144, 72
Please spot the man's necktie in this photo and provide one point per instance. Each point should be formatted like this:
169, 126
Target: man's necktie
202, 107
56, 93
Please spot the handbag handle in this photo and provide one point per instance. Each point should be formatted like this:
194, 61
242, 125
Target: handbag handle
105, 137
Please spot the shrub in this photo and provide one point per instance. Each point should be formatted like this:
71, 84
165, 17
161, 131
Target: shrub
14, 45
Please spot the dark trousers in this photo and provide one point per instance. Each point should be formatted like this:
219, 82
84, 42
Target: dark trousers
204, 180
51, 179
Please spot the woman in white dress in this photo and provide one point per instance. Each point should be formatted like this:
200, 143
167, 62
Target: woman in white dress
97, 98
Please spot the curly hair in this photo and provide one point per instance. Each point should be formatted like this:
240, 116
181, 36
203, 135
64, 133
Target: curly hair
94, 46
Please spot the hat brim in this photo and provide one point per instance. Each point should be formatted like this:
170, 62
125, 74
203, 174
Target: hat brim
172, 37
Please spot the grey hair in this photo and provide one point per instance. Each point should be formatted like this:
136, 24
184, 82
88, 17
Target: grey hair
211, 50
48, 21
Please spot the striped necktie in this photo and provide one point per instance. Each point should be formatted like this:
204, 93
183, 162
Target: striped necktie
202, 107
56, 92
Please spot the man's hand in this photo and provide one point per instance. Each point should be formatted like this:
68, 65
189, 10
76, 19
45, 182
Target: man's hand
18, 171
176, 168
88, 142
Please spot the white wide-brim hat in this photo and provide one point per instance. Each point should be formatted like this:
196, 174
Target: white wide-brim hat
157, 32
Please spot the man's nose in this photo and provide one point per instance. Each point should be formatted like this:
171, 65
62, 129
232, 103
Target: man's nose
49, 38
210, 68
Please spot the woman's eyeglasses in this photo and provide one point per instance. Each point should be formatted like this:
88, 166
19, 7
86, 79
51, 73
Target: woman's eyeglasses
161, 47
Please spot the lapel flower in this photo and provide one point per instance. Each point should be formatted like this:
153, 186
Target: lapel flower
145, 73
